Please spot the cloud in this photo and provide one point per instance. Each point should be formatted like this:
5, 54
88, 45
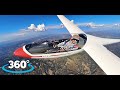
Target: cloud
21, 35
40, 27
18, 34
53, 27
72, 21
32, 27
11, 36
92, 25
33, 30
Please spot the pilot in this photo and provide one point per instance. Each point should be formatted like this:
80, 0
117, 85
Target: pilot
70, 45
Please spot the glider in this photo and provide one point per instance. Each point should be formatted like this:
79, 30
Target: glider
94, 46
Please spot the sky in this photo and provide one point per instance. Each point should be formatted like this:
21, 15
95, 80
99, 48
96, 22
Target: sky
15, 27
98, 19
14, 23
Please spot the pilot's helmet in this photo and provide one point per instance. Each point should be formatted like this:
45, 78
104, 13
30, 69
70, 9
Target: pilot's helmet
75, 37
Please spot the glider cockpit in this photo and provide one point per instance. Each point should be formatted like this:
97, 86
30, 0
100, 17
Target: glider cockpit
47, 47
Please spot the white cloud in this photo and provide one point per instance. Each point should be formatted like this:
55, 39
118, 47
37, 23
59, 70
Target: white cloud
72, 21
40, 27
87, 25
31, 30
117, 24
53, 27
19, 34
32, 27
11, 36
91, 25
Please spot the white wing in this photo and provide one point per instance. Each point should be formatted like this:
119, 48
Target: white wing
72, 28
104, 41
108, 61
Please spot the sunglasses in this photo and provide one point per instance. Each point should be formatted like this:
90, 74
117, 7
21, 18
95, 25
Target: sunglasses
76, 40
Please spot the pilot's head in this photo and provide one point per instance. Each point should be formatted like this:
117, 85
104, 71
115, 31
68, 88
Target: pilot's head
75, 39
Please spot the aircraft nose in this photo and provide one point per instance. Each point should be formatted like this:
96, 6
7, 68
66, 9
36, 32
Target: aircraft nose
20, 53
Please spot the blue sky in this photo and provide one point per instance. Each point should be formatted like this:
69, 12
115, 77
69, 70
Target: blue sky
98, 19
13, 23
15, 27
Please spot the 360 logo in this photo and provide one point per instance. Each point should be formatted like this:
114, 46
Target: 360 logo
18, 65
